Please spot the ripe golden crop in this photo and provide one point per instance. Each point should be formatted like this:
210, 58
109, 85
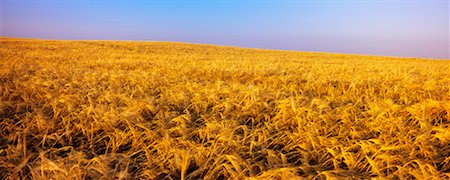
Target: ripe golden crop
154, 110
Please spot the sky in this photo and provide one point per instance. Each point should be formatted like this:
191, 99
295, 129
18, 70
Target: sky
405, 28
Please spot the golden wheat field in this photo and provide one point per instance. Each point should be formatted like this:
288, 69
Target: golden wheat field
160, 110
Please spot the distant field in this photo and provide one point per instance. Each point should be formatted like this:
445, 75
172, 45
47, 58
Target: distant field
158, 110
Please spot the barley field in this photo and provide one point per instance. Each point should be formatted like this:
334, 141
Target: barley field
161, 110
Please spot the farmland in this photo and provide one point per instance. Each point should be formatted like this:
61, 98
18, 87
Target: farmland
162, 110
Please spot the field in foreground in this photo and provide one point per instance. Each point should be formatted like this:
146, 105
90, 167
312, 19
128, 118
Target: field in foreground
155, 110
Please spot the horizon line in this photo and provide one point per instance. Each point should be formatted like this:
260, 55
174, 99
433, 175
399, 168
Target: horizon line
224, 45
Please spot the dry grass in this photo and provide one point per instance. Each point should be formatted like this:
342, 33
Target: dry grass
154, 110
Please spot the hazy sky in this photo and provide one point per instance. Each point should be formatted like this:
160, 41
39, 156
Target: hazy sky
409, 28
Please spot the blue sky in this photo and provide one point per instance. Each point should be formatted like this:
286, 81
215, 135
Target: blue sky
407, 28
